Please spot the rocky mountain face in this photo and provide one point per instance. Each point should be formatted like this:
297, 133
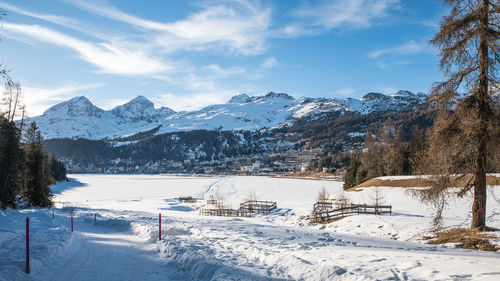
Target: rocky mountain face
79, 118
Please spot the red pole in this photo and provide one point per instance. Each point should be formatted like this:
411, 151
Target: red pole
52, 214
71, 222
159, 235
27, 245
95, 218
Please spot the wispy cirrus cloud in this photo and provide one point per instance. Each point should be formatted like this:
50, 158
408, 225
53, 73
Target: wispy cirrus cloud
106, 56
270, 63
218, 72
349, 14
239, 26
395, 55
61, 20
345, 91
67, 22
408, 48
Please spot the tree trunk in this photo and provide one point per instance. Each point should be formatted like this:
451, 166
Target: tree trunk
479, 204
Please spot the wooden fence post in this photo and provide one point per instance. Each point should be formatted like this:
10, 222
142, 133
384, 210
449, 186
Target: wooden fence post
27, 245
159, 220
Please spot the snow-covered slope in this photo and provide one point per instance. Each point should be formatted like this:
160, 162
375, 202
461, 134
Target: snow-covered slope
79, 118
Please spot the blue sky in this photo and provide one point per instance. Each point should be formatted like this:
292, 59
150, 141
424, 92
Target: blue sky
187, 54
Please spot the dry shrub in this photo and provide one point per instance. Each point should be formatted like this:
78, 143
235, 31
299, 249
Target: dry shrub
466, 238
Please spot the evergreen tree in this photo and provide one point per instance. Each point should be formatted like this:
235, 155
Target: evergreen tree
37, 173
461, 141
350, 174
57, 169
11, 156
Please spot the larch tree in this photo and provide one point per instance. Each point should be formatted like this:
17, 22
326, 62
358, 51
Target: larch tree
461, 145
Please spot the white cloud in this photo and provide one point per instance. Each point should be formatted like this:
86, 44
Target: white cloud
108, 104
199, 91
345, 91
408, 48
344, 13
61, 20
270, 62
38, 99
219, 72
191, 101
108, 57
240, 26
67, 22
389, 90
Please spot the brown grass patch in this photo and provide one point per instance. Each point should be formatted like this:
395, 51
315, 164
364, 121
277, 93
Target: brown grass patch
466, 238
309, 176
418, 182
319, 221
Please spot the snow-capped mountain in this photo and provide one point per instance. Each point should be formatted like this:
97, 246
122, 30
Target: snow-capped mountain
79, 118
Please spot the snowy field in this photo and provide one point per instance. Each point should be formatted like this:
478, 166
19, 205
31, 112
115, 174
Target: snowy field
123, 243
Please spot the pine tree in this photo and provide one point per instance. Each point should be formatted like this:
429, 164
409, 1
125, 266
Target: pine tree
461, 140
37, 173
350, 173
11, 160
57, 169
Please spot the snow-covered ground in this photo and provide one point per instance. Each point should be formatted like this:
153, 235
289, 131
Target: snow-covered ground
123, 243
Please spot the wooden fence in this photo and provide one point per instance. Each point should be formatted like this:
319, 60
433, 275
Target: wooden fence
225, 213
324, 214
247, 209
260, 207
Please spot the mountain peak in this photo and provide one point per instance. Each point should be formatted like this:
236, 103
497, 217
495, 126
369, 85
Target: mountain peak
404, 93
79, 99
139, 108
77, 106
374, 96
140, 99
273, 95
241, 98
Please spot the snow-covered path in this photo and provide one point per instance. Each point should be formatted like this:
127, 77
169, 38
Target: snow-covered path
101, 253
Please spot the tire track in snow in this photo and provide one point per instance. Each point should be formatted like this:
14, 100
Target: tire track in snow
209, 188
101, 253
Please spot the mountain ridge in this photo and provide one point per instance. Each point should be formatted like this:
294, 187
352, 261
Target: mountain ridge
80, 118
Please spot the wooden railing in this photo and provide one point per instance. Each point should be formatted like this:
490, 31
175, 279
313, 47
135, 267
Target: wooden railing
212, 202
323, 205
225, 213
331, 214
247, 209
260, 207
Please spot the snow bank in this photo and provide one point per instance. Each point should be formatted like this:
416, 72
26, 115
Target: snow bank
48, 241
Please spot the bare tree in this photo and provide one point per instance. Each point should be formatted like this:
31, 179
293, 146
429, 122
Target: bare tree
251, 196
323, 195
461, 141
12, 106
341, 200
4, 72
377, 197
